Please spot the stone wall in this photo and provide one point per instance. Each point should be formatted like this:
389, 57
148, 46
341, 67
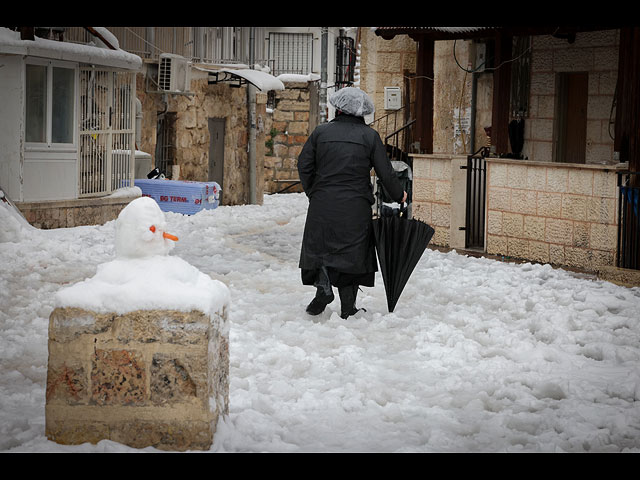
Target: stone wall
559, 213
192, 142
384, 63
593, 52
72, 213
295, 116
145, 378
439, 196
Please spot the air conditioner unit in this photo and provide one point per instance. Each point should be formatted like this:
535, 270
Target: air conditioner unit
174, 73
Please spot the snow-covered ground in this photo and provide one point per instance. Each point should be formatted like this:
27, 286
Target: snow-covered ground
479, 356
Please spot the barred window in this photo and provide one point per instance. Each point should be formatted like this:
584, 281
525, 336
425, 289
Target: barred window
291, 52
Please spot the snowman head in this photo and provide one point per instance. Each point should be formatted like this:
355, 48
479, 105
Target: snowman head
140, 230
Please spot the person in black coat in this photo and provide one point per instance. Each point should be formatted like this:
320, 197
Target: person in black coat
338, 245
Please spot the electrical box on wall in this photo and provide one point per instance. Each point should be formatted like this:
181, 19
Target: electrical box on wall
392, 98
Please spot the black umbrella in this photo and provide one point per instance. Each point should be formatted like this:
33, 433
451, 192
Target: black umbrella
400, 243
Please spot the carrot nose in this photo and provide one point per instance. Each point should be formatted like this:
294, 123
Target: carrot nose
164, 234
169, 236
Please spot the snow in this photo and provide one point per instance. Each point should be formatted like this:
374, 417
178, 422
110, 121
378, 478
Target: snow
298, 78
479, 355
10, 43
262, 80
143, 276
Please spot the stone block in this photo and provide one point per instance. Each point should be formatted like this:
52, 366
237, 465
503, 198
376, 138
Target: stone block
581, 234
604, 237
143, 378
539, 251
496, 245
443, 192
556, 254
620, 276
534, 227
441, 236
517, 176
421, 167
574, 207
421, 211
557, 179
518, 248
424, 190
441, 215
499, 199
549, 204
559, 231
601, 210
497, 174
536, 178
604, 184
580, 181
513, 224
494, 222
523, 201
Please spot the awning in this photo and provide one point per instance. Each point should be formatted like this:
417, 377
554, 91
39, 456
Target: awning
261, 80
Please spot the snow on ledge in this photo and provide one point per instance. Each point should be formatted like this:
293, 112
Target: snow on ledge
10, 43
294, 78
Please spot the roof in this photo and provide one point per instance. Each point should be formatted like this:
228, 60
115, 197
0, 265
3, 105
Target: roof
451, 33
10, 43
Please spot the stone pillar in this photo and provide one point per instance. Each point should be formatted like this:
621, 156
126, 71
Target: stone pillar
145, 378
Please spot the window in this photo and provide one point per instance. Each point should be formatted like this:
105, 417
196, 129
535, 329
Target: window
291, 52
50, 104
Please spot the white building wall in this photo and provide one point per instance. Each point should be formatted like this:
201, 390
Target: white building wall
11, 124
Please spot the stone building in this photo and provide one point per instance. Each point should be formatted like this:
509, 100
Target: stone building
194, 121
549, 115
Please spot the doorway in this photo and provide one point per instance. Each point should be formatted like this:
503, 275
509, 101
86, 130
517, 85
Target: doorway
571, 117
216, 152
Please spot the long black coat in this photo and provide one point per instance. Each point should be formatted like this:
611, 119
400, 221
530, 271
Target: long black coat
335, 171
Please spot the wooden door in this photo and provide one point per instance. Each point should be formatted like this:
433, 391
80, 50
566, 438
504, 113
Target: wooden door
571, 117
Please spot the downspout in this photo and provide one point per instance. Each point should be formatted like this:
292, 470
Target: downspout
472, 126
251, 99
323, 74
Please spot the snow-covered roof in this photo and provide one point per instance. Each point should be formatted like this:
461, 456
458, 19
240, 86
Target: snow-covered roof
10, 43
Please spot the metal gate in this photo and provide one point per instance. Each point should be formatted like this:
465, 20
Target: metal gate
628, 220
476, 198
107, 131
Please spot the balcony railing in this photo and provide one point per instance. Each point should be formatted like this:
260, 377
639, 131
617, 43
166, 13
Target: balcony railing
197, 44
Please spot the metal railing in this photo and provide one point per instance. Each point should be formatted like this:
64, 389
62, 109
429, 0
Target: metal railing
628, 252
476, 198
197, 44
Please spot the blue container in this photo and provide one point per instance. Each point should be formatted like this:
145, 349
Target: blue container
181, 196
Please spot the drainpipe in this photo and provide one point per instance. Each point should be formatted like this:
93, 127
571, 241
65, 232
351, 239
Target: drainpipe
251, 99
472, 126
323, 74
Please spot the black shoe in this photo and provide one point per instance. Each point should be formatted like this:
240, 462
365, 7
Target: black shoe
348, 301
319, 303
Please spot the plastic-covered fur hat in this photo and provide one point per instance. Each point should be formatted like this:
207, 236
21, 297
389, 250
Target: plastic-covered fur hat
352, 101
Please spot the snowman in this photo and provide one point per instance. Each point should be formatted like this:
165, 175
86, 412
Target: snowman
141, 230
